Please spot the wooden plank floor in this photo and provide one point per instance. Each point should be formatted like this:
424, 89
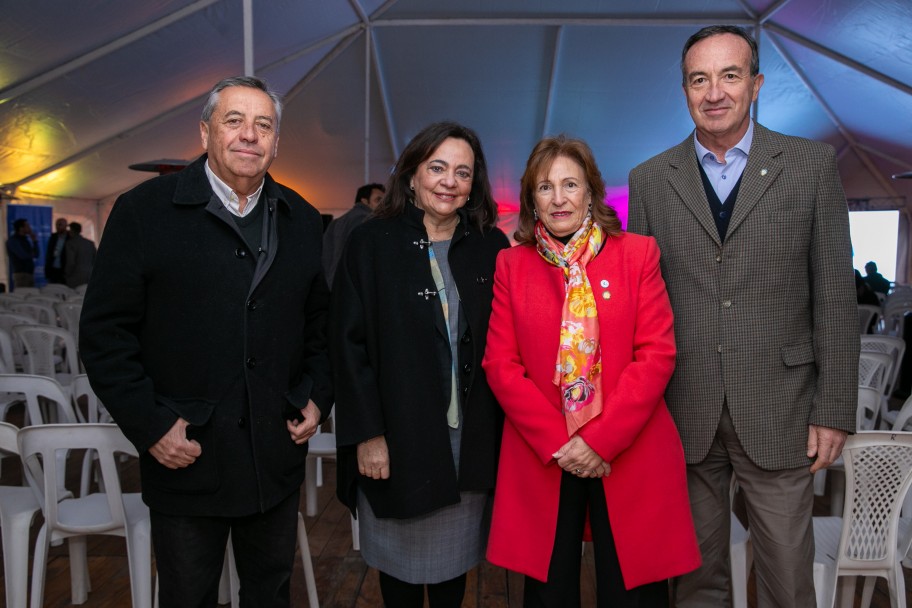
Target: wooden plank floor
343, 579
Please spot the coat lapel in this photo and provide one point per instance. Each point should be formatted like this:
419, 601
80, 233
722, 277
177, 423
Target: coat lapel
763, 168
685, 179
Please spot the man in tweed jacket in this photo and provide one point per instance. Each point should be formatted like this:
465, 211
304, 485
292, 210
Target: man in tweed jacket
754, 234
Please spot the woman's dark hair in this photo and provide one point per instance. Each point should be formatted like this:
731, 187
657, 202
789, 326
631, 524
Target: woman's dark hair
543, 155
481, 208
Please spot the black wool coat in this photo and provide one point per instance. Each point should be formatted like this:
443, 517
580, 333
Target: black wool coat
392, 364
182, 319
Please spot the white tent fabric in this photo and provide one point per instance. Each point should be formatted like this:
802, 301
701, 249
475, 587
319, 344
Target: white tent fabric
88, 88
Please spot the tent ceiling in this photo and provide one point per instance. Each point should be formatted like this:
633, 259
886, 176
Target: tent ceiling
89, 88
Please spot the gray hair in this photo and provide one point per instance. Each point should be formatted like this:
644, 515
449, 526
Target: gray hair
241, 81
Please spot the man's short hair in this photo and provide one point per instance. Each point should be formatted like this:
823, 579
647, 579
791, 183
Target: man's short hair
19, 224
715, 30
241, 81
364, 192
75, 227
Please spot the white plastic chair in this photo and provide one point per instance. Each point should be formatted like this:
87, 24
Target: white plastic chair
865, 420
111, 512
63, 292
319, 446
68, 317
18, 507
81, 390
306, 561
49, 351
869, 317
8, 320
878, 474
40, 312
24, 292
874, 370
45, 400
903, 421
894, 317
740, 555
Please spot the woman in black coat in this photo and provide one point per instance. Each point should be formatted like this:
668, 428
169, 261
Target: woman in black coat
418, 429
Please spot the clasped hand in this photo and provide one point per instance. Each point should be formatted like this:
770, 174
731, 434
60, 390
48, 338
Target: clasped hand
578, 458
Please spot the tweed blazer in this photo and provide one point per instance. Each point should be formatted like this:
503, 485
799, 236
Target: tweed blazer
767, 320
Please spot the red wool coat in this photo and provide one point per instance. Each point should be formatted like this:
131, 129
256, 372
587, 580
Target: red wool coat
646, 491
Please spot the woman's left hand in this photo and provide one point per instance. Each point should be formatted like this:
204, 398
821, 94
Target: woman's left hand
578, 458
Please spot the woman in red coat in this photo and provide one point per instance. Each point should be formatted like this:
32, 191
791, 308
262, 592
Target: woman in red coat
580, 348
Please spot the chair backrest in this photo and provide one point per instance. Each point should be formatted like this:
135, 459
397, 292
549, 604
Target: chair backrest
874, 370
868, 317
7, 361
878, 474
903, 420
36, 389
68, 315
42, 313
894, 346
868, 408
95, 411
894, 317
58, 289
8, 441
41, 444
26, 291
42, 343
41, 298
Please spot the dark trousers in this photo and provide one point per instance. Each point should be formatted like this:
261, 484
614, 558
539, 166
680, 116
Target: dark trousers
399, 594
577, 496
190, 553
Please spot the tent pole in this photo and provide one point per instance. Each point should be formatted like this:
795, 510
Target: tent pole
248, 38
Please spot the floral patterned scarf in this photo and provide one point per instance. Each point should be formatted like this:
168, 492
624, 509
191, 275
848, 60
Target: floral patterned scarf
579, 357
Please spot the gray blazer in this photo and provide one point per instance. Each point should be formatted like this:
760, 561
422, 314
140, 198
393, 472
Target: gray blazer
767, 320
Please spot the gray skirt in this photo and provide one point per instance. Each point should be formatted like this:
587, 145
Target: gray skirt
430, 548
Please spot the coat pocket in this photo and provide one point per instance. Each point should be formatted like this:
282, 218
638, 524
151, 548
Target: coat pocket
798, 354
201, 477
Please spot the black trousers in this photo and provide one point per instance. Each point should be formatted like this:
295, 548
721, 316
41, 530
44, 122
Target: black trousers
562, 590
399, 594
190, 553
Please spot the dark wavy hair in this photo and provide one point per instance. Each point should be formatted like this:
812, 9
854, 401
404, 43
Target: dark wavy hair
716, 30
543, 155
481, 208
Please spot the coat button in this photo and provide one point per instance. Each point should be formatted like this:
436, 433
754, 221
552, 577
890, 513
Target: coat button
250, 362
719, 259
240, 252
467, 368
465, 390
242, 422
252, 305
466, 339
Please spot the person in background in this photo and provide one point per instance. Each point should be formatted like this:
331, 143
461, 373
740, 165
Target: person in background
55, 258
588, 439
417, 427
865, 295
367, 199
754, 233
875, 280
80, 257
22, 249
203, 332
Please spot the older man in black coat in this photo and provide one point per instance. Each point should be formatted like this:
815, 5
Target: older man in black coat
203, 332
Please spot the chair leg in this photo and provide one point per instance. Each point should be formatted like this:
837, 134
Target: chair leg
867, 593
15, 538
310, 486
224, 594
234, 581
846, 591
79, 569
307, 563
39, 567
356, 534
139, 559
319, 472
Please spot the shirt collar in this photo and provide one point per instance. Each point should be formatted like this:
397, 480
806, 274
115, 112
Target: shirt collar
743, 146
229, 197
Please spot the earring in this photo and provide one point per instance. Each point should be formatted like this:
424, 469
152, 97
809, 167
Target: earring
590, 205
535, 214
468, 198
412, 187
